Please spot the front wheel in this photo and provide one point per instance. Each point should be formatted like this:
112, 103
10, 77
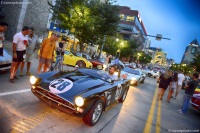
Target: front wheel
92, 117
149, 74
80, 64
122, 99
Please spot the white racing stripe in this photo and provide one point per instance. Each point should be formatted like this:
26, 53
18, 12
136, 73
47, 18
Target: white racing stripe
14, 92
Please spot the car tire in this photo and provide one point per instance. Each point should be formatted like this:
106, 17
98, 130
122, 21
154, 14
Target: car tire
80, 64
149, 74
123, 97
97, 109
142, 81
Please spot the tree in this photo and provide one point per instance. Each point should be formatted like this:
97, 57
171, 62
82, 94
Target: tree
91, 19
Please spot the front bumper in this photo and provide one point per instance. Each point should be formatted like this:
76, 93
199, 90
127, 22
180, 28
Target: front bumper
5, 66
56, 101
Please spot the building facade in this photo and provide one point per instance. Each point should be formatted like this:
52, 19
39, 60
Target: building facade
190, 51
33, 13
131, 25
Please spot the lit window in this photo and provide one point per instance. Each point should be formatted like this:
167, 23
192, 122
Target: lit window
129, 18
121, 16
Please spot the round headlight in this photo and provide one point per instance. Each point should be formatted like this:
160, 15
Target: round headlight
133, 78
33, 80
79, 101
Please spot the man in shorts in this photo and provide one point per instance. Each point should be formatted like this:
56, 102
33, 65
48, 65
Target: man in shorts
32, 45
181, 77
20, 42
46, 55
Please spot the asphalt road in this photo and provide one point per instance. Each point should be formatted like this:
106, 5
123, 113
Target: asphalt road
21, 111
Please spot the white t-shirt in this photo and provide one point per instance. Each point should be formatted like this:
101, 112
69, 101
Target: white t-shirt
19, 40
181, 77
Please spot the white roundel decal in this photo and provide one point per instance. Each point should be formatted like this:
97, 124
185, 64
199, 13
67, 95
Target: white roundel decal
60, 85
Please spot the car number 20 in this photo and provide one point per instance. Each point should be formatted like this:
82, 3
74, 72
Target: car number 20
60, 85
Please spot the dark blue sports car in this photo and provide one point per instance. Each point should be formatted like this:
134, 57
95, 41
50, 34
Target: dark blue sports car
83, 92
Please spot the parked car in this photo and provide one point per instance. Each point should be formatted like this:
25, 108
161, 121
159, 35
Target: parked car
82, 92
136, 76
131, 65
95, 62
195, 101
72, 60
150, 73
5, 60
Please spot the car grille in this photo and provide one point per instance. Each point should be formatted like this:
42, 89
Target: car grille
54, 100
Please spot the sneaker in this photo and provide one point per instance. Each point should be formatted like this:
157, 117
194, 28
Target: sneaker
15, 77
28, 74
174, 97
12, 80
180, 112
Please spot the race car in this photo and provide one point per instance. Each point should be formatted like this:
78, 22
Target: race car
82, 92
150, 73
136, 76
195, 101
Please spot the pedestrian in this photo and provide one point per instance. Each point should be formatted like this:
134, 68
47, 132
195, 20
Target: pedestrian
181, 77
189, 91
3, 28
32, 45
20, 42
60, 49
47, 53
165, 81
174, 86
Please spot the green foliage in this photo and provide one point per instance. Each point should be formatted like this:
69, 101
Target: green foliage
187, 69
91, 19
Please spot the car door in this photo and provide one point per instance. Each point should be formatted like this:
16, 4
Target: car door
68, 58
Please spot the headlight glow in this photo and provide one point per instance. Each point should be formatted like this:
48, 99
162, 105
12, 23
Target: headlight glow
116, 73
133, 78
104, 66
33, 80
79, 101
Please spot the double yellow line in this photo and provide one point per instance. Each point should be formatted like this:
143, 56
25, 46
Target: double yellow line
148, 124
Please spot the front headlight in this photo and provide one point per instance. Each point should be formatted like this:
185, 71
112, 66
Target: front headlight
133, 78
104, 66
33, 80
79, 101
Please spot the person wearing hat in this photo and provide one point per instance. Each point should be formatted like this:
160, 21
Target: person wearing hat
47, 52
60, 48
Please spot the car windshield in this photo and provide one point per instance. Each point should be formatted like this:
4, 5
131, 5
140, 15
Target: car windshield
101, 60
129, 70
68, 53
99, 74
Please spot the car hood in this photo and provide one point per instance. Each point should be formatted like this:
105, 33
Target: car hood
70, 84
7, 58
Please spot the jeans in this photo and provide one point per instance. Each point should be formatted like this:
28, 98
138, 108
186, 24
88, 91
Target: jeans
186, 102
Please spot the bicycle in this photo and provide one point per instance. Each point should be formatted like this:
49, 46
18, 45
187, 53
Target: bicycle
59, 64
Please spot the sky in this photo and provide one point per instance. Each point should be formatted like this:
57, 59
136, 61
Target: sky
178, 20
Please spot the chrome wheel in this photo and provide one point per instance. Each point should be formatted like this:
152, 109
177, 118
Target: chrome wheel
125, 94
97, 112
